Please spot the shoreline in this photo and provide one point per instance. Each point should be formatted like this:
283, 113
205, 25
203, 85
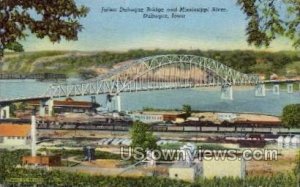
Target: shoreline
218, 117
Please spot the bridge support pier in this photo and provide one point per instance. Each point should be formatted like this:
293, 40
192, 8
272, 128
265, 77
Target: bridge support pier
42, 108
50, 107
260, 90
109, 100
4, 112
290, 88
226, 92
276, 89
118, 98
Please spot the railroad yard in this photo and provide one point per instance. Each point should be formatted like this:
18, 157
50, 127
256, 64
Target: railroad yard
204, 122
247, 130
75, 126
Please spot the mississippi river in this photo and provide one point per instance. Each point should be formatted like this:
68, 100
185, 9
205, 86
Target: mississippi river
206, 99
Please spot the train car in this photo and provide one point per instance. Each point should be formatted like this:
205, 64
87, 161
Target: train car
196, 123
192, 129
248, 123
175, 128
104, 127
295, 131
227, 129
283, 130
262, 129
160, 128
69, 126
209, 129
244, 129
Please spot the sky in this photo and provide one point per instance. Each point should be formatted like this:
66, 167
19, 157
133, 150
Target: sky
124, 31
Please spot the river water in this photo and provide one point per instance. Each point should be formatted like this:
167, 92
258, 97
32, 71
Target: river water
205, 99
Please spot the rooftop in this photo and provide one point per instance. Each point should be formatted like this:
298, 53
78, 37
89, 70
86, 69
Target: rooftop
160, 112
14, 130
68, 102
72, 103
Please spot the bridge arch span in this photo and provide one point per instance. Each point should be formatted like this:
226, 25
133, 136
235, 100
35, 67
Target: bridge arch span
156, 72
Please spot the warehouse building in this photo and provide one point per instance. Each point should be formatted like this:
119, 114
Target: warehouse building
186, 172
67, 106
14, 136
156, 116
218, 167
42, 160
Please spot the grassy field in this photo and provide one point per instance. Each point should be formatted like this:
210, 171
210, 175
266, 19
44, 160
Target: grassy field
286, 162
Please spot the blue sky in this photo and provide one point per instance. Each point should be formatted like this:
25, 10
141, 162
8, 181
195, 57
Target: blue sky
124, 31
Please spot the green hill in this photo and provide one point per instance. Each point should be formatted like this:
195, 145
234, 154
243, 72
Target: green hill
89, 64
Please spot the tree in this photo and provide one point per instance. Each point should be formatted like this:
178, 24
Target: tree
268, 19
45, 18
187, 109
8, 161
291, 116
142, 137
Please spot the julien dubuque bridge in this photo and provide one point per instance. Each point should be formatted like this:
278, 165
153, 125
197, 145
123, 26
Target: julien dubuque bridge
153, 73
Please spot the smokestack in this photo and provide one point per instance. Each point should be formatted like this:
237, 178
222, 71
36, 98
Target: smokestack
33, 136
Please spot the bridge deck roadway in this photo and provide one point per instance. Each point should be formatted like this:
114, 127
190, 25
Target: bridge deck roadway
4, 101
21, 99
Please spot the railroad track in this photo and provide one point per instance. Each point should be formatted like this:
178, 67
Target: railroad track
119, 125
185, 129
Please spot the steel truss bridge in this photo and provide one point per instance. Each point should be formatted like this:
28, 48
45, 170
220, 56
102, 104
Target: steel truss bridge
156, 73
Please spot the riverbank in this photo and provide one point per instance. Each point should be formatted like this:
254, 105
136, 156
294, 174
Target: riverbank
202, 99
216, 118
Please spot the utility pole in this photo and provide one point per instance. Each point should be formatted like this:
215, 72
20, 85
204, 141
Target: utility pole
33, 134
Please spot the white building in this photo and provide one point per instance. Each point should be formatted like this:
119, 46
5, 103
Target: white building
147, 118
226, 116
14, 136
218, 167
184, 171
